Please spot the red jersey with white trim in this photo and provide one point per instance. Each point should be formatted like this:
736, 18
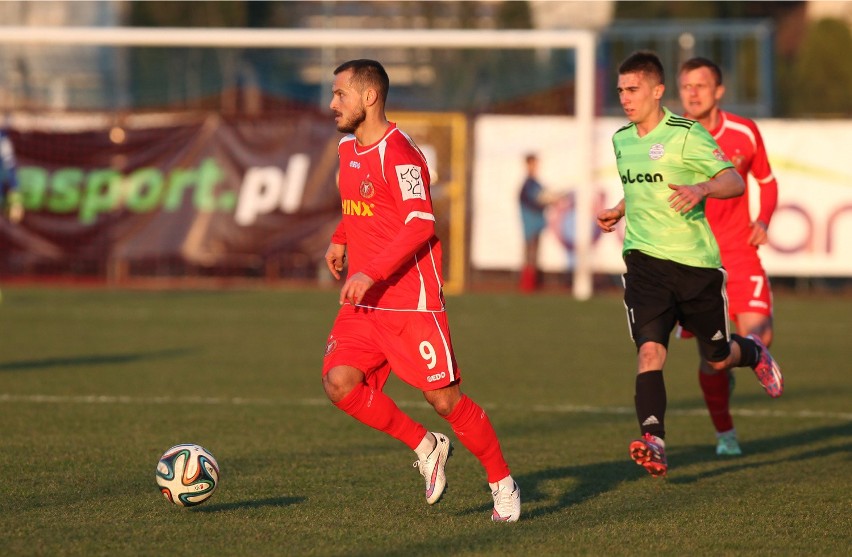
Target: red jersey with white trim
388, 223
729, 219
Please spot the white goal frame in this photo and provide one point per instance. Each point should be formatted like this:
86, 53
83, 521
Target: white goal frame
583, 42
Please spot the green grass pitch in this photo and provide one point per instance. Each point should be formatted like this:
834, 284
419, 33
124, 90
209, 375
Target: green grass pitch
96, 384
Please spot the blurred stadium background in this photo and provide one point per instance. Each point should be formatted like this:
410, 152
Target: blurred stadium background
142, 159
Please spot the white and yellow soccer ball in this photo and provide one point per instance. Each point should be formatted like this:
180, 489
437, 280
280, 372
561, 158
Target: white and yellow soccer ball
187, 474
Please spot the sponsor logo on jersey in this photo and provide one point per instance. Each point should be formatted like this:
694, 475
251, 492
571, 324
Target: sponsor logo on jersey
720, 156
357, 208
367, 190
641, 178
411, 181
354, 164
657, 151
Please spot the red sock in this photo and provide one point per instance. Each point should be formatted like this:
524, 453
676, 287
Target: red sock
378, 410
529, 279
716, 389
473, 428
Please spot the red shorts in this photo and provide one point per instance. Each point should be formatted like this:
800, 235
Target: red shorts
748, 290
414, 344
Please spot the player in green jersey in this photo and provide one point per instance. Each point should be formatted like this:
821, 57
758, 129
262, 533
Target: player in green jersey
668, 166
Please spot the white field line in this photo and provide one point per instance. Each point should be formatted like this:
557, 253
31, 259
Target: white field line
545, 409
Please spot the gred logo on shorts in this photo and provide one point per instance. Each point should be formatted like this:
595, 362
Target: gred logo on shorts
436, 377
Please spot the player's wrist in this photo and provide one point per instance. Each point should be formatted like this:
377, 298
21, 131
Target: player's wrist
372, 274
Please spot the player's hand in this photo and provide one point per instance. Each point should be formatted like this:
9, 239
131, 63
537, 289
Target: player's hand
354, 288
608, 218
684, 198
335, 257
758, 234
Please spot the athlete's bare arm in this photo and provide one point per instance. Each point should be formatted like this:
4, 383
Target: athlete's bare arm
608, 218
335, 257
355, 287
758, 234
725, 184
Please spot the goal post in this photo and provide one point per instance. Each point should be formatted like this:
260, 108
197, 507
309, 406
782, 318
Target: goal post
582, 42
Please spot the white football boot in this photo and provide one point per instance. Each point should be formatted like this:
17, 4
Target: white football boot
432, 468
507, 502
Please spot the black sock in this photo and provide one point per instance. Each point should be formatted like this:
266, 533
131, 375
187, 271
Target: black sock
749, 352
650, 402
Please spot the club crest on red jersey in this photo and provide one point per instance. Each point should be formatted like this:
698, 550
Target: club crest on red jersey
367, 190
739, 161
330, 346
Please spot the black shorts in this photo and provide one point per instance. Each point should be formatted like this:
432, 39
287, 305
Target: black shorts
659, 293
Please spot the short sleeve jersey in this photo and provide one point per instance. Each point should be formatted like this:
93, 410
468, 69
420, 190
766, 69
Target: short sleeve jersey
676, 151
388, 222
742, 143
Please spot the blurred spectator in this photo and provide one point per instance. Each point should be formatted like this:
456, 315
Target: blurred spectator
10, 198
534, 199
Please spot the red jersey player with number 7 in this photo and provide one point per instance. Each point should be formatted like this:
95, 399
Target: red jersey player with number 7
738, 236
392, 314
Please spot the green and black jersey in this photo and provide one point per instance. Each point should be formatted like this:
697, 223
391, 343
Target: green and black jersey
677, 151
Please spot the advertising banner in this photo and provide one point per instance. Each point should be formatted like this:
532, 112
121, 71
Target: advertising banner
809, 235
246, 195
205, 195
811, 232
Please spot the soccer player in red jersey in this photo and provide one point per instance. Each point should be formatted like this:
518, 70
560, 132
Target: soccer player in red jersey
738, 236
392, 315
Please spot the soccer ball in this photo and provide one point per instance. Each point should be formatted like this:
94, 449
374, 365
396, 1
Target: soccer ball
187, 474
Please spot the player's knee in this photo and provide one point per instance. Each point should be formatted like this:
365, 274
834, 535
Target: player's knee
704, 367
444, 400
339, 382
332, 389
717, 355
443, 407
716, 367
651, 355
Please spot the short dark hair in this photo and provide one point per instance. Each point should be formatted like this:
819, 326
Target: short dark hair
700, 62
367, 73
531, 157
643, 61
